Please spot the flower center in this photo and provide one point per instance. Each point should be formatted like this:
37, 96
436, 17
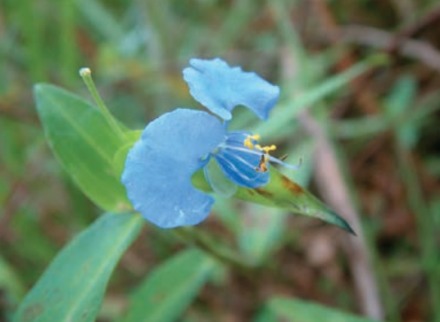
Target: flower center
250, 142
244, 161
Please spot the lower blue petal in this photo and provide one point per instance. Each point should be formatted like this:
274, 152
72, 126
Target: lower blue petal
239, 163
159, 167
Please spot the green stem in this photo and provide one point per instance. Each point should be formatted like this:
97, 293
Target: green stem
86, 75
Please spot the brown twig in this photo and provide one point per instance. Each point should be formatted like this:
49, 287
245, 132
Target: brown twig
334, 191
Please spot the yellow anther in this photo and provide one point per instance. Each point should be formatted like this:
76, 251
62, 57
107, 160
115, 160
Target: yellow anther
264, 159
266, 149
248, 141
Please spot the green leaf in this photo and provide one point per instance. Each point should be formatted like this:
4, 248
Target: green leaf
170, 288
281, 192
293, 310
284, 193
73, 286
84, 143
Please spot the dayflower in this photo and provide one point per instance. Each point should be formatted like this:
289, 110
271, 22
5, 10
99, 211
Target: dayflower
159, 166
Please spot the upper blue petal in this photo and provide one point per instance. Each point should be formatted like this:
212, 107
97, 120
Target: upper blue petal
239, 163
159, 167
220, 88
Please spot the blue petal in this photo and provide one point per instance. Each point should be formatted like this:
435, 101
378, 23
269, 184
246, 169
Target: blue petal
159, 167
239, 163
220, 88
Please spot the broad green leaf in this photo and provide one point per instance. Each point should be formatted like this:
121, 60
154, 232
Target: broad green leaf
281, 192
84, 143
293, 310
73, 286
170, 288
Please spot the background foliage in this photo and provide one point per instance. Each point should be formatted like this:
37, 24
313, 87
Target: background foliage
360, 100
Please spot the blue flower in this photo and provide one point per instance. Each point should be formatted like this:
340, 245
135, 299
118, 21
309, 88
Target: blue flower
159, 166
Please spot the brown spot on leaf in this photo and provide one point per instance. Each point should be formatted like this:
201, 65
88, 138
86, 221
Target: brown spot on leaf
291, 186
263, 192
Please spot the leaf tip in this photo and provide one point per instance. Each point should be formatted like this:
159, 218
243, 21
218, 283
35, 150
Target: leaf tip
349, 229
39, 88
342, 223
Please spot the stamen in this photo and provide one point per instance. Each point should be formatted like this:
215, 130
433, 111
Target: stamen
256, 137
264, 160
248, 141
266, 149
262, 166
250, 146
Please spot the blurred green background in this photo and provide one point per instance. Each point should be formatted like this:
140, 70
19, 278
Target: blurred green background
380, 123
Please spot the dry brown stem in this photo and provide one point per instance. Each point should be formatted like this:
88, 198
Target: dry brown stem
331, 184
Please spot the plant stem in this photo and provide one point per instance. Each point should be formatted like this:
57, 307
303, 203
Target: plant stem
86, 75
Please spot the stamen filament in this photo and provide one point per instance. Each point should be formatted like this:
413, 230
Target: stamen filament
264, 152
